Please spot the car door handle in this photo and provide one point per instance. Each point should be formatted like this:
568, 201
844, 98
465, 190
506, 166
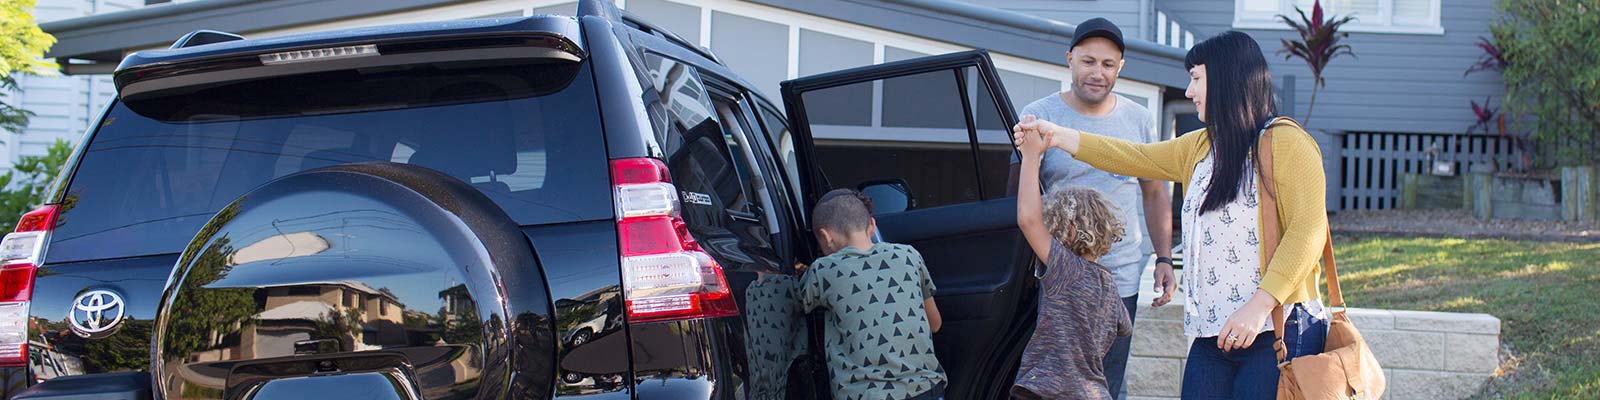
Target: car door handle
743, 217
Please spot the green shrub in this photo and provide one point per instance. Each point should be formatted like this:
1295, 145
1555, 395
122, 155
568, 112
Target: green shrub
1553, 72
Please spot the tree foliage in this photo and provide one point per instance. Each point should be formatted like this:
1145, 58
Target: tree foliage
23, 187
1552, 72
22, 47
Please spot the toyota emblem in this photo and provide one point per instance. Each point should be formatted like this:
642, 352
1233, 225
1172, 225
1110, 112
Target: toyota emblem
96, 313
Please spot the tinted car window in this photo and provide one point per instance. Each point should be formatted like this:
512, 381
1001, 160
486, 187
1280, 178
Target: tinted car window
921, 137
783, 145
526, 135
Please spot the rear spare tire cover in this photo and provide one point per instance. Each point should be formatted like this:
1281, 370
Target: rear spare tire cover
352, 277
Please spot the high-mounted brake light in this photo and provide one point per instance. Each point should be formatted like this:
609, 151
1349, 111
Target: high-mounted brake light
323, 54
20, 253
666, 275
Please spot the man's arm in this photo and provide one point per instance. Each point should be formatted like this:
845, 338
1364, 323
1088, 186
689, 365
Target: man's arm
1158, 215
1158, 221
1011, 180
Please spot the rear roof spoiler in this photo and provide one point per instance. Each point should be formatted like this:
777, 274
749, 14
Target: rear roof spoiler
204, 57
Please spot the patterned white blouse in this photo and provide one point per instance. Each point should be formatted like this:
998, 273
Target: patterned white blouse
1222, 258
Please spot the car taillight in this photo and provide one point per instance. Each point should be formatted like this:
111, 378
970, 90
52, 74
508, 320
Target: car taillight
666, 275
20, 253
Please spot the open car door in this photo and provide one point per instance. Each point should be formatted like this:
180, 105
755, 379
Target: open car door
929, 140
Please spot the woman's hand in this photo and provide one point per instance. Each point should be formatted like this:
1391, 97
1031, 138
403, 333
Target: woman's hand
1245, 324
1055, 135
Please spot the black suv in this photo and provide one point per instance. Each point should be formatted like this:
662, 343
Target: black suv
527, 207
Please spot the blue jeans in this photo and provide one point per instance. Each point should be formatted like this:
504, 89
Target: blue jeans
1250, 373
1116, 362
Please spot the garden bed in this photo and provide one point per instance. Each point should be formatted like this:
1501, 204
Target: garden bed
1458, 224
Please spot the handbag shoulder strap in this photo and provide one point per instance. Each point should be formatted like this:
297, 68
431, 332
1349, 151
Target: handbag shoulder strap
1272, 231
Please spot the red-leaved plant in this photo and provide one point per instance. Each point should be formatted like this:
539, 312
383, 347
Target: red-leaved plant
1485, 115
1318, 44
1490, 119
1491, 60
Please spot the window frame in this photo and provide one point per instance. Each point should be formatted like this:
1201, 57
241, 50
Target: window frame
745, 162
1384, 23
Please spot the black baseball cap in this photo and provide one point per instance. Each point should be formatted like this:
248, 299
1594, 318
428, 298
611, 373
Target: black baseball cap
1098, 27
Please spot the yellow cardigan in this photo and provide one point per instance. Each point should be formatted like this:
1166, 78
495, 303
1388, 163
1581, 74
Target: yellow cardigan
1300, 185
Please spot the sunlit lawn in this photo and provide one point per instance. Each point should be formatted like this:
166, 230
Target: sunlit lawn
1547, 295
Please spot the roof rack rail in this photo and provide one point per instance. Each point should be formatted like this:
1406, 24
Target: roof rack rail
670, 36
203, 37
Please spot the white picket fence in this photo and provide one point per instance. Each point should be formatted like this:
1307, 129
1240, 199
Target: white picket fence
1371, 164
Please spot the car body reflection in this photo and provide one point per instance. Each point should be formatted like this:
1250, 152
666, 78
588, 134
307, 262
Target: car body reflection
774, 333
582, 320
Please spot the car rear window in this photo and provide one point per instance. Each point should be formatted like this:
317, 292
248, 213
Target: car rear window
525, 134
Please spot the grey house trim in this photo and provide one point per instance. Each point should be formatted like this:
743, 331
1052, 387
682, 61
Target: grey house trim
106, 37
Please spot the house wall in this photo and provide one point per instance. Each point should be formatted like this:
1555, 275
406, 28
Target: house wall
1398, 83
1125, 13
62, 105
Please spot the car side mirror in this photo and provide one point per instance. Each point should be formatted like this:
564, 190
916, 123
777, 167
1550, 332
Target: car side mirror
888, 195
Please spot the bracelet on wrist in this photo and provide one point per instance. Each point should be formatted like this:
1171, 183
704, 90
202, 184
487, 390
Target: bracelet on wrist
1166, 260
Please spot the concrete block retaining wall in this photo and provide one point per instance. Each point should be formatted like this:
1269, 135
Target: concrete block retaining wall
1426, 355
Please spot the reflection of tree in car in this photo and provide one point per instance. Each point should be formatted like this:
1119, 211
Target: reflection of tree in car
209, 313
129, 350
342, 325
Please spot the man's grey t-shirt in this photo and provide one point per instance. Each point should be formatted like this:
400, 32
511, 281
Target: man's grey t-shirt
1128, 121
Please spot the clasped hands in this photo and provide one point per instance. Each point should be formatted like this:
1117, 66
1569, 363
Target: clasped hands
1033, 136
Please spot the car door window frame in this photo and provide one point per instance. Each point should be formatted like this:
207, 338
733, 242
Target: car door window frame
790, 179
960, 235
956, 63
776, 213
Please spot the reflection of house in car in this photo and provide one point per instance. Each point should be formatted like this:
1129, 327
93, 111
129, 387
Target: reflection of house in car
456, 301
369, 317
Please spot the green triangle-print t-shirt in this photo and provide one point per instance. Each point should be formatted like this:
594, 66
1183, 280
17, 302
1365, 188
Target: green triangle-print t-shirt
879, 346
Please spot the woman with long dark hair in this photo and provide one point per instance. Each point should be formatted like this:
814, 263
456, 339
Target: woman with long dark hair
1233, 280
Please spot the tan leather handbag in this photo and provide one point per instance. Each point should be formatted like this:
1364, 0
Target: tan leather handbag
1346, 369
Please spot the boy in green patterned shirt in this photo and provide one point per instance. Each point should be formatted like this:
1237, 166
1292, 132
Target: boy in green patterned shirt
879, 301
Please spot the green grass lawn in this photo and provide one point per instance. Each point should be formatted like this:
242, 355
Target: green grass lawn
1547, 295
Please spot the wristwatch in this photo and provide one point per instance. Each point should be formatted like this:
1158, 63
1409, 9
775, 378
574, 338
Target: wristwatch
1164, 260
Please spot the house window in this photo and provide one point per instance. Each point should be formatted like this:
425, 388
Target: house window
302, 291
1373, 16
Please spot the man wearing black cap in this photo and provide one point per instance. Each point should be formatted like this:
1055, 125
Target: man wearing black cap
1096, 59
